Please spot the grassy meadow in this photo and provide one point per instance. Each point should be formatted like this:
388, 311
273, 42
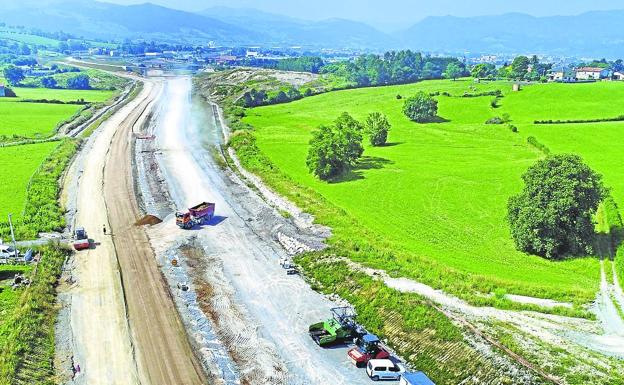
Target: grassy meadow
15, 176
432, 203
33, 119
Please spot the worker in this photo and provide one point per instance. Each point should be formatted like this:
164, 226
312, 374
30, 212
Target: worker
104, 229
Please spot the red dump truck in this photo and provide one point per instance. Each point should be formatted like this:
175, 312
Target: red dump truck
196, 215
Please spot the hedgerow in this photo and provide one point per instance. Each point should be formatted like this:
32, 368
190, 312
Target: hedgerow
572, 121
42, 211
27, 333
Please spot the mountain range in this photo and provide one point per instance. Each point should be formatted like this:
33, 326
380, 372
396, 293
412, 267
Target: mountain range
590, 34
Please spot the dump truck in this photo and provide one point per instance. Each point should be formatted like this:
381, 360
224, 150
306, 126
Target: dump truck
81, 240
338, 329
196, 215
367, 347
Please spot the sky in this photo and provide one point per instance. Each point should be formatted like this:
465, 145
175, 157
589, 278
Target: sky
387, 14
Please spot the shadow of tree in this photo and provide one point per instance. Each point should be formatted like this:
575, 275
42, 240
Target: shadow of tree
606, 244
357, 172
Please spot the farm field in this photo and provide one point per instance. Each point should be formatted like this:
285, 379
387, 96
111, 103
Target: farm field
437, 194
62, 95
33, 119
16, 175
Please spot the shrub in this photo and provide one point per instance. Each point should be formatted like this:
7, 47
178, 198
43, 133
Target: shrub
421, 108
552, 216
513, 128
495, 120
399, 97
377, 127
540, 146
619, 118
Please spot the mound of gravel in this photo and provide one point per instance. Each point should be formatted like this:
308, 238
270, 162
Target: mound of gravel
148, 220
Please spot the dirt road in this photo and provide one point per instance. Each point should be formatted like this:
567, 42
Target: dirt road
124, 326
164, 355
100, 332
259, 310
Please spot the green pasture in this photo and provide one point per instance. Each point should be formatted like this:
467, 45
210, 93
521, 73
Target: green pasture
17, 166
62, 94
437, 193
32, 119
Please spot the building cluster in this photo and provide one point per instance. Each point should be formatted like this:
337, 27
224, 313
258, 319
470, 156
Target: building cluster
583, 74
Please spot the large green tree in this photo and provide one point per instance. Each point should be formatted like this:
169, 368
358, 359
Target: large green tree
520, 67
335, 149
552, 216
377, 127
421, 108
14, 75
453, 71
483, 70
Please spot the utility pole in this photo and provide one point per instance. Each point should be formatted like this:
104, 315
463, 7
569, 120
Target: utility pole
13, 236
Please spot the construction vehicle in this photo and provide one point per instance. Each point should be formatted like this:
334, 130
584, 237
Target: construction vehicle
196, 215
291, 269
367, 347
338, 329
81, 240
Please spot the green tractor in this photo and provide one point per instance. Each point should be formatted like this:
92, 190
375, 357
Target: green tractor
338, 329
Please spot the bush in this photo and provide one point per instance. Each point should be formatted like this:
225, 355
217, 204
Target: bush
399, 97
540, 146
421, 108
79, 82
499, 120
552, 216
377, 127
513, 128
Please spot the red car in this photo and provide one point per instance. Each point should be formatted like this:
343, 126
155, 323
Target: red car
368, 347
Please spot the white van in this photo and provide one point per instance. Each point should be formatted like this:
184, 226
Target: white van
384, 370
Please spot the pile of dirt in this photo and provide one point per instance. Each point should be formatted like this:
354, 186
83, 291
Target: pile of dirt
148, 220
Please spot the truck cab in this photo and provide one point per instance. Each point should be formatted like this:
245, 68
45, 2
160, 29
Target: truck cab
367, 347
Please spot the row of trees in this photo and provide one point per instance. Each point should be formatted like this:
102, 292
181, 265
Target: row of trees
335, 149
396, 68
522, 68
14, 75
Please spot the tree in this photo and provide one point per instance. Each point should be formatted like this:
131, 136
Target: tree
333, 150
520, 67
453, 71
14, 75
377, 127
483, 70
552, 216
79, 82
347, 122
421, 108
48, 82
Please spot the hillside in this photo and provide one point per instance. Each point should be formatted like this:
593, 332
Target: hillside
286, 30
589, 34
103, 20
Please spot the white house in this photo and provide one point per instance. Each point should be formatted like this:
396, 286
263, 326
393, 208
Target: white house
563, 75
592, 73
618, 75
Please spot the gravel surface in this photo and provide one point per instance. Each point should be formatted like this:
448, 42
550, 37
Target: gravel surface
252, 297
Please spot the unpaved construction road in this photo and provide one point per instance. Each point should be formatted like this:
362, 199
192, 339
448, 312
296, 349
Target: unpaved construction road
125, 327
261, 314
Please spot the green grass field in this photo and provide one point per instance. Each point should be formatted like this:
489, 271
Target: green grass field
17, 165
62, 95
437, 193
32, 119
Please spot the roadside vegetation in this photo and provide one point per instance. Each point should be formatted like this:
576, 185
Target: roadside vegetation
27, 322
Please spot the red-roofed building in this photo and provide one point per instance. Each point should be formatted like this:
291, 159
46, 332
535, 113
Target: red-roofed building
592, 73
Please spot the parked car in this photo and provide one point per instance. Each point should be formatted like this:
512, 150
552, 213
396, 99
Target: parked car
384, 370
418, 378
7, 251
